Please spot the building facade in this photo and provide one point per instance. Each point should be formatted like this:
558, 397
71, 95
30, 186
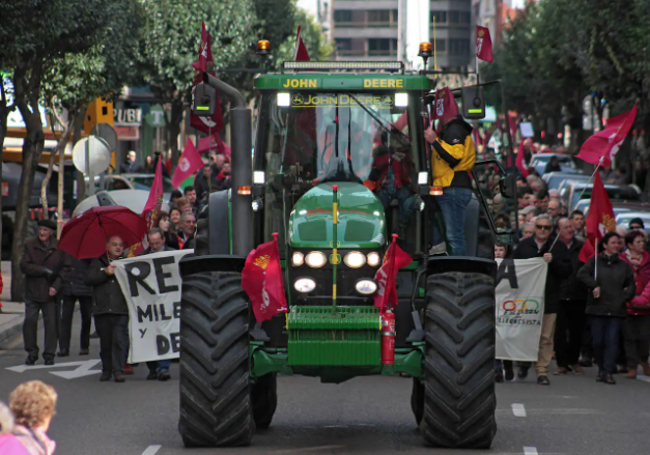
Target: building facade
381, 29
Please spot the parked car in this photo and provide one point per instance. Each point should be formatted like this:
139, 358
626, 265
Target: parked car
625, 218
131, 199
576, 191
131, 182
540, 160
553, 180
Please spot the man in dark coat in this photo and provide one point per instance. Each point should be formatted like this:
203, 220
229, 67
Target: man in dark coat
156, 239
559, 268
205, 182
75, 272
41, 263
571, 317
130, 166
110, 310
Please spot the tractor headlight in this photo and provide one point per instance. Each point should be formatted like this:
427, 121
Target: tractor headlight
354, 259
304, 285
297, 259
366, 287
316, 259
374, 259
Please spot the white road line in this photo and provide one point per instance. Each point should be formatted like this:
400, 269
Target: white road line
518, 410
151, 450
530, 451
643, 378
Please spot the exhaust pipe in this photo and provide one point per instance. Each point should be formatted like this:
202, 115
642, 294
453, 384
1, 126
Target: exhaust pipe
242, 167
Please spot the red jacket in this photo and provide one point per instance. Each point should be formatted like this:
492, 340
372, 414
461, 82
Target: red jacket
636, 306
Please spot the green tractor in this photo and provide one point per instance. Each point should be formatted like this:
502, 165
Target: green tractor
318, 126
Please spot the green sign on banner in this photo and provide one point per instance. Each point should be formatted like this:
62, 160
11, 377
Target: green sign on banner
156, 117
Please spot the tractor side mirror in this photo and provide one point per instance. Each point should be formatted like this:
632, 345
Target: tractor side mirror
473, 102
508, 186
205, 100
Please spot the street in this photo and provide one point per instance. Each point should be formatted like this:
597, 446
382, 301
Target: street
575, 415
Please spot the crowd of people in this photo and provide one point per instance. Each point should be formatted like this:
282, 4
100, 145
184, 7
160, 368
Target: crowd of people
596, 312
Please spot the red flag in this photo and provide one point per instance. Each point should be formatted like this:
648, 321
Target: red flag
602, 146
214, 143
302, 55
189, 162
205, 124
394, 259
483, 44
445, 104
262, 281
520, 160
600, 218
154, 202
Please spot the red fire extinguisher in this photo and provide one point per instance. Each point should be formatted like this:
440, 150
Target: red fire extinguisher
388, 338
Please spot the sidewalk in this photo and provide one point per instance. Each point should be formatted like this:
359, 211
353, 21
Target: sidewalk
13, 313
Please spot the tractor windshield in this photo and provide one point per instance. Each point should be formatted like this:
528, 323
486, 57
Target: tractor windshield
336, 136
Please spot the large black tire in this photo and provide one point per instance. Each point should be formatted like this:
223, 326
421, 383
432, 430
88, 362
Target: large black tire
417, 400
265, 399
215, 401
459, 392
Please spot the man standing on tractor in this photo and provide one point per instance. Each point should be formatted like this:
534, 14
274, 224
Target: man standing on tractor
452, 159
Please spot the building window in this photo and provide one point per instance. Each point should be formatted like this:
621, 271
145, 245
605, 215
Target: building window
342, 15
440, 17
458, 46
382, 46
459, 17
379, 18
343, 44
441, 46
454, 17
465, 18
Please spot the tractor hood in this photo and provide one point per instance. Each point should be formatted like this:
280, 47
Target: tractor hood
361, 220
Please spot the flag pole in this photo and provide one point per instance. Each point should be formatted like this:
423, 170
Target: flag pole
335, 241
576, 204
596, 259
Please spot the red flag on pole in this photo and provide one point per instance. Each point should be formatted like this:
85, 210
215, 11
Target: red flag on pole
600, 218
155, 199
445, 104
189, 162
520, 160
262, 281
602, 146
394, 259
205, 124
302, 55
483, 44
214, 143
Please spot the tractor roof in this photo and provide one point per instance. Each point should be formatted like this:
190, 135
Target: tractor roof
342, 76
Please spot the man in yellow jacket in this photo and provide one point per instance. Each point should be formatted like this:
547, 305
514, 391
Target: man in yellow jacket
452, 159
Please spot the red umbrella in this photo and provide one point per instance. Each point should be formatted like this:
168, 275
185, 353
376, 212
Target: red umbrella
86, 235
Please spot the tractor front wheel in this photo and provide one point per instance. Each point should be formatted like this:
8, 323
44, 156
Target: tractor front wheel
215, 399
459, 392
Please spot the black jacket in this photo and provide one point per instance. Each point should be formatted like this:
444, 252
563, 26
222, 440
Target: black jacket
107, 294
617, 285
558, 270
572, 288
201, 185
74, 274
131, 167
42, 265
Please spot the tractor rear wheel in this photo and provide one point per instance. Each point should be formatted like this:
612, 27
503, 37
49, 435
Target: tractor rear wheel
459, 393
215, 400
265, 399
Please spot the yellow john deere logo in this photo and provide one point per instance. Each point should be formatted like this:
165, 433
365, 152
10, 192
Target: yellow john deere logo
262, 261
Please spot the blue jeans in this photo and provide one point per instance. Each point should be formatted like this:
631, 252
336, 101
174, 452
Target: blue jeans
453, 205
405, 200
159, 366
605, 331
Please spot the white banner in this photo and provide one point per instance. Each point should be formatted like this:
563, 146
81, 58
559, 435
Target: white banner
519, 308
151, 285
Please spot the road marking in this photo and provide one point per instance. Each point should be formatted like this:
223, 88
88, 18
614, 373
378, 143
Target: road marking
518, 410
310, 449
151, 450
83, 369
530, 450
643, 378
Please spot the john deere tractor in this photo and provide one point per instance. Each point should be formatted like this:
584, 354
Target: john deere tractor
321, 128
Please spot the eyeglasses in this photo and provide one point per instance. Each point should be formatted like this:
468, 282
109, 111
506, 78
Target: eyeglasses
546, 228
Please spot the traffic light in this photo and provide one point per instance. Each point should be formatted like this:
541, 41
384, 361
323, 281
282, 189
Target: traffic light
205, 100
473, 102
99, 111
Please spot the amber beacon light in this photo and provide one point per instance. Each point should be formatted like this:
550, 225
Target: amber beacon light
426, 50
263, 47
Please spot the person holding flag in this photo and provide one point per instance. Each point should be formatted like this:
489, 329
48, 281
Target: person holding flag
611, 284
452, 159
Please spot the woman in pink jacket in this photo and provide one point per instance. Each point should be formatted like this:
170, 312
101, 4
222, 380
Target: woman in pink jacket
636, 329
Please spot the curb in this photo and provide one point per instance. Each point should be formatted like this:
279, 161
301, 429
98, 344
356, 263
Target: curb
12, 327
